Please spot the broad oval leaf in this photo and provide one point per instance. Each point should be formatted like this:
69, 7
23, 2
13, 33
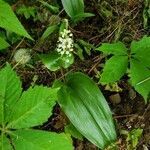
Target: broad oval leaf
40, 140
114, 69
51, 60
73, 7
139, 45
9, 21
140, 78
87, 109
33, 108
143, 55
114, 48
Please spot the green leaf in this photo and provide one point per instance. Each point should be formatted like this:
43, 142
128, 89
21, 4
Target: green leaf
10, 91
114, 69
81, 16
51, 60
79, 51
65, 61
115, 48
143, 55
4, 143
51, 8
133, 138
73, 7
3, 44
87, 46
140, 45
33, 108
49, 31
9, 21
73, 131
87, 109
27, 11
40, 140
140, 78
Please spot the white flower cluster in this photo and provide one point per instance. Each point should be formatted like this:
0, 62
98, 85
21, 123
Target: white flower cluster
65, 43
22, 56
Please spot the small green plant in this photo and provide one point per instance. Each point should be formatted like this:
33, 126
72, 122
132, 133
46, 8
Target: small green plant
20, 111
27, 12
75, 9
10, 22
136, 60
133, 137
51, 8
81, 47
63, 56
87, 109
146, 14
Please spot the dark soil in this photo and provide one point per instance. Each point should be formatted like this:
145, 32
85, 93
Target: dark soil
125, 24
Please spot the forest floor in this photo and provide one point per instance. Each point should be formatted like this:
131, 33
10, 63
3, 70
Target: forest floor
118, 20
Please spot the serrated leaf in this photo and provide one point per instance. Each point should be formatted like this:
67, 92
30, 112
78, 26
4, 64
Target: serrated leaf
114, 48
139, 45
3, 44
140, 78
9, 21
10, 91
33, 108
87, 109
73, 7
51, 60
4, 143
40, 140
114, 69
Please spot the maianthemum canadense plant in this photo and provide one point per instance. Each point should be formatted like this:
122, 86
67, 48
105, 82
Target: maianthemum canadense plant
136, 60
62, 56
79, 98
75, 9
21, 111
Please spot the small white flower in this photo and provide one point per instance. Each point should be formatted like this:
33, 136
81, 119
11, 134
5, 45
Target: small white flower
22, 56
67, 52
65, 43
67, 60
62, 52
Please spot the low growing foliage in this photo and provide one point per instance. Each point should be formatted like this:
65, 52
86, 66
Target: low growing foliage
136, 60
75, 9
9, 21
87, 109
20, 111
62, 56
